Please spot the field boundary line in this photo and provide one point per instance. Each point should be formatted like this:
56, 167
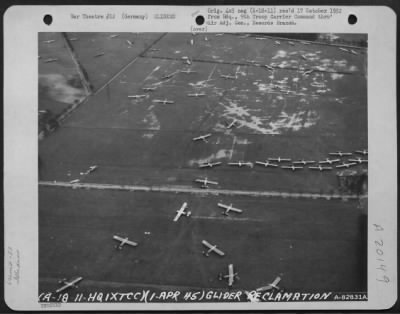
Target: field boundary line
189, 189
116, 75
85, 82
81, 70
128, 65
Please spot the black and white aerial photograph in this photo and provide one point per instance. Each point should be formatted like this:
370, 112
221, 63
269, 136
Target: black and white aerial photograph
202, 167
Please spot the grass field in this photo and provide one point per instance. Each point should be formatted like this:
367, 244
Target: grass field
296, 239
315, 245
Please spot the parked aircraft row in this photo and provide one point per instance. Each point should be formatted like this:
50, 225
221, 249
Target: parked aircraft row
294, 166
304, 162
281, 159
267, 163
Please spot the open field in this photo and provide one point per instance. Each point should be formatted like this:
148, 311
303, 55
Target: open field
310, 101
131, 140
297, 239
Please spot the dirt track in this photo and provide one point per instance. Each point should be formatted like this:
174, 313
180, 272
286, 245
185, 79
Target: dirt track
188, 189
